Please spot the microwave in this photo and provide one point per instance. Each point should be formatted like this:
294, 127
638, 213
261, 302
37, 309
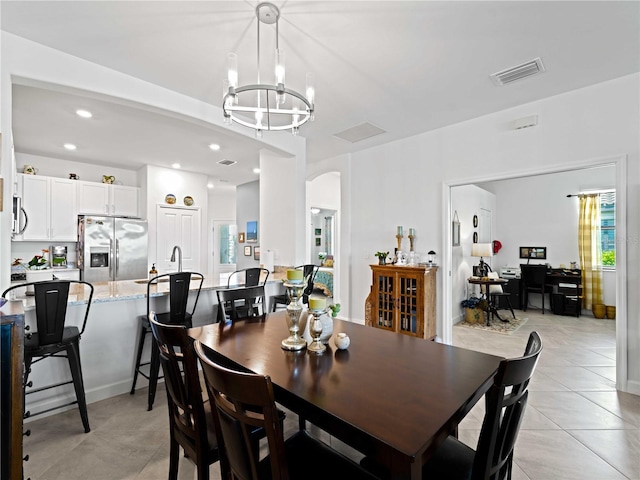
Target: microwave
17, 226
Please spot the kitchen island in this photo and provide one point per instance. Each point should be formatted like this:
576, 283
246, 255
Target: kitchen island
107, 347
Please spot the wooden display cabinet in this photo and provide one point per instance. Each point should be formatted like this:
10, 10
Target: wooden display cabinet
403, 299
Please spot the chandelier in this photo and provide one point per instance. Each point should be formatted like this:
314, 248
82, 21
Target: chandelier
264, 106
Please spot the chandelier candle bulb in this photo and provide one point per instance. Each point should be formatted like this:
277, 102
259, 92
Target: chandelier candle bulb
400, 231
317, 303
412, 231
294, 276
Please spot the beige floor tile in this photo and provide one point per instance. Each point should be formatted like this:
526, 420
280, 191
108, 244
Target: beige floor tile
578, 378
570, 410
624, 405
620, 448
554, 454
607, 372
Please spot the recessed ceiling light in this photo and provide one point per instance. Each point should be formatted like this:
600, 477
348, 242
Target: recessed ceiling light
214, 146
84, 113
210, 185
69, 146
175, 165
256, 170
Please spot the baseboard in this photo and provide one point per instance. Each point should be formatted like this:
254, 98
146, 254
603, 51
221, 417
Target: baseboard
633, 386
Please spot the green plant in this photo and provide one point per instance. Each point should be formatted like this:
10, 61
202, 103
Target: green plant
335, 308
475, 302
38, 262
382, 255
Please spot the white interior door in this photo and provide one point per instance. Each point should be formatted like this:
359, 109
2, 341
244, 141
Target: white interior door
178, 226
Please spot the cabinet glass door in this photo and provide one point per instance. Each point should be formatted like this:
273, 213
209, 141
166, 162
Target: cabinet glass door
408, 304
385, 286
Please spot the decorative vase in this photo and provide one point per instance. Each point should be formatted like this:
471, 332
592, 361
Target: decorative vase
294, 310
382, 261
342, 341
598, 310
327, 327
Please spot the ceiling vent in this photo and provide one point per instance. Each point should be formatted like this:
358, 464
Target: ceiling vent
226, 162
359, 132
534, 67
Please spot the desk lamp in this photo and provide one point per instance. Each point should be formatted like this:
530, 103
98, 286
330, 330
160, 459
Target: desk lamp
482, 250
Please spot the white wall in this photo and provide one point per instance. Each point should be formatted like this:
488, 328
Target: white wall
248, 210
598, 122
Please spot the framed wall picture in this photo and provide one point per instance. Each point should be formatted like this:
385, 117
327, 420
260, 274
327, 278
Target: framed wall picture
241, 237
318, 231
256, 253
252, 232
475, 237
455, 230
318, 242
539, 253
247, 251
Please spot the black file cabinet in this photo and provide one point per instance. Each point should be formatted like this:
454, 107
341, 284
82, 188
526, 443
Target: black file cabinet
513, 287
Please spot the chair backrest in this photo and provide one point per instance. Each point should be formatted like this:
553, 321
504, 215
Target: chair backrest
534, 275
179, 284
184, 394
251, 277
51, 297
242, 402
242, 303
493, 289
506, 401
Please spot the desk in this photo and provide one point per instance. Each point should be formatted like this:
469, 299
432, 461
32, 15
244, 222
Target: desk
487, 282
392, 397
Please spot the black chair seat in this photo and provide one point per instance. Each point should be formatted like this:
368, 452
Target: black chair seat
453, 460
32, 345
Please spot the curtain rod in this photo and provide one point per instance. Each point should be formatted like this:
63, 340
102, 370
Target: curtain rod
594, 192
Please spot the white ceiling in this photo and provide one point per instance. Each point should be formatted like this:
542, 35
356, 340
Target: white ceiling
406, 67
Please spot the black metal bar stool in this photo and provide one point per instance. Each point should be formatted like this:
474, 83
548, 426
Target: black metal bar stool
54, 339
179, 283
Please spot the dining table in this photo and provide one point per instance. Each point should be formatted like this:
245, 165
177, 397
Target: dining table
391, 396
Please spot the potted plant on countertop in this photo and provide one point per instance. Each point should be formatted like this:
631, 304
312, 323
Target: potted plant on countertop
382, 257
474, 309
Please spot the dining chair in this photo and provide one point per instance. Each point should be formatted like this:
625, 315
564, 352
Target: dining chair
246, 303
534, 279
178, 314
54, 338
496, 291
190, 422
309, 270
505, 404
241, 401
248, 277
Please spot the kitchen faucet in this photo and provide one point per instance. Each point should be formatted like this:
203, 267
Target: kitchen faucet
173, 257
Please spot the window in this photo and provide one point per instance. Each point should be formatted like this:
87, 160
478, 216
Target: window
228, 240
608, 228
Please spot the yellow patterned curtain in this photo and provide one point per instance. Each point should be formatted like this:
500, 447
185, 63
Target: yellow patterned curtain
590, 250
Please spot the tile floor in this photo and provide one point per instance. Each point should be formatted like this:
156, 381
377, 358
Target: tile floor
576, 426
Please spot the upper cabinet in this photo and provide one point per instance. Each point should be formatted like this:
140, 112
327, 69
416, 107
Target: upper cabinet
50, 204
106, 199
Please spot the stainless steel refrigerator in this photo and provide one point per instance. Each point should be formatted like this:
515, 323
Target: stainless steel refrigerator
112, 248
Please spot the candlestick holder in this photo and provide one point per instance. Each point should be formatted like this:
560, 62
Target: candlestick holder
411, 237
399, 238
294, 342
315, 329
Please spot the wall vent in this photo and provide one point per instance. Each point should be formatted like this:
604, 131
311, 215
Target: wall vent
524, 70
525, 122
226, 162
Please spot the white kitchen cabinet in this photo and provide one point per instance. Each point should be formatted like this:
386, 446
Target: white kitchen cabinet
178, 226
50, 204
106, 199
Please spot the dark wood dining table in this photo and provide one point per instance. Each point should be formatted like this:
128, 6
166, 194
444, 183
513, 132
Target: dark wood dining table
391, 396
